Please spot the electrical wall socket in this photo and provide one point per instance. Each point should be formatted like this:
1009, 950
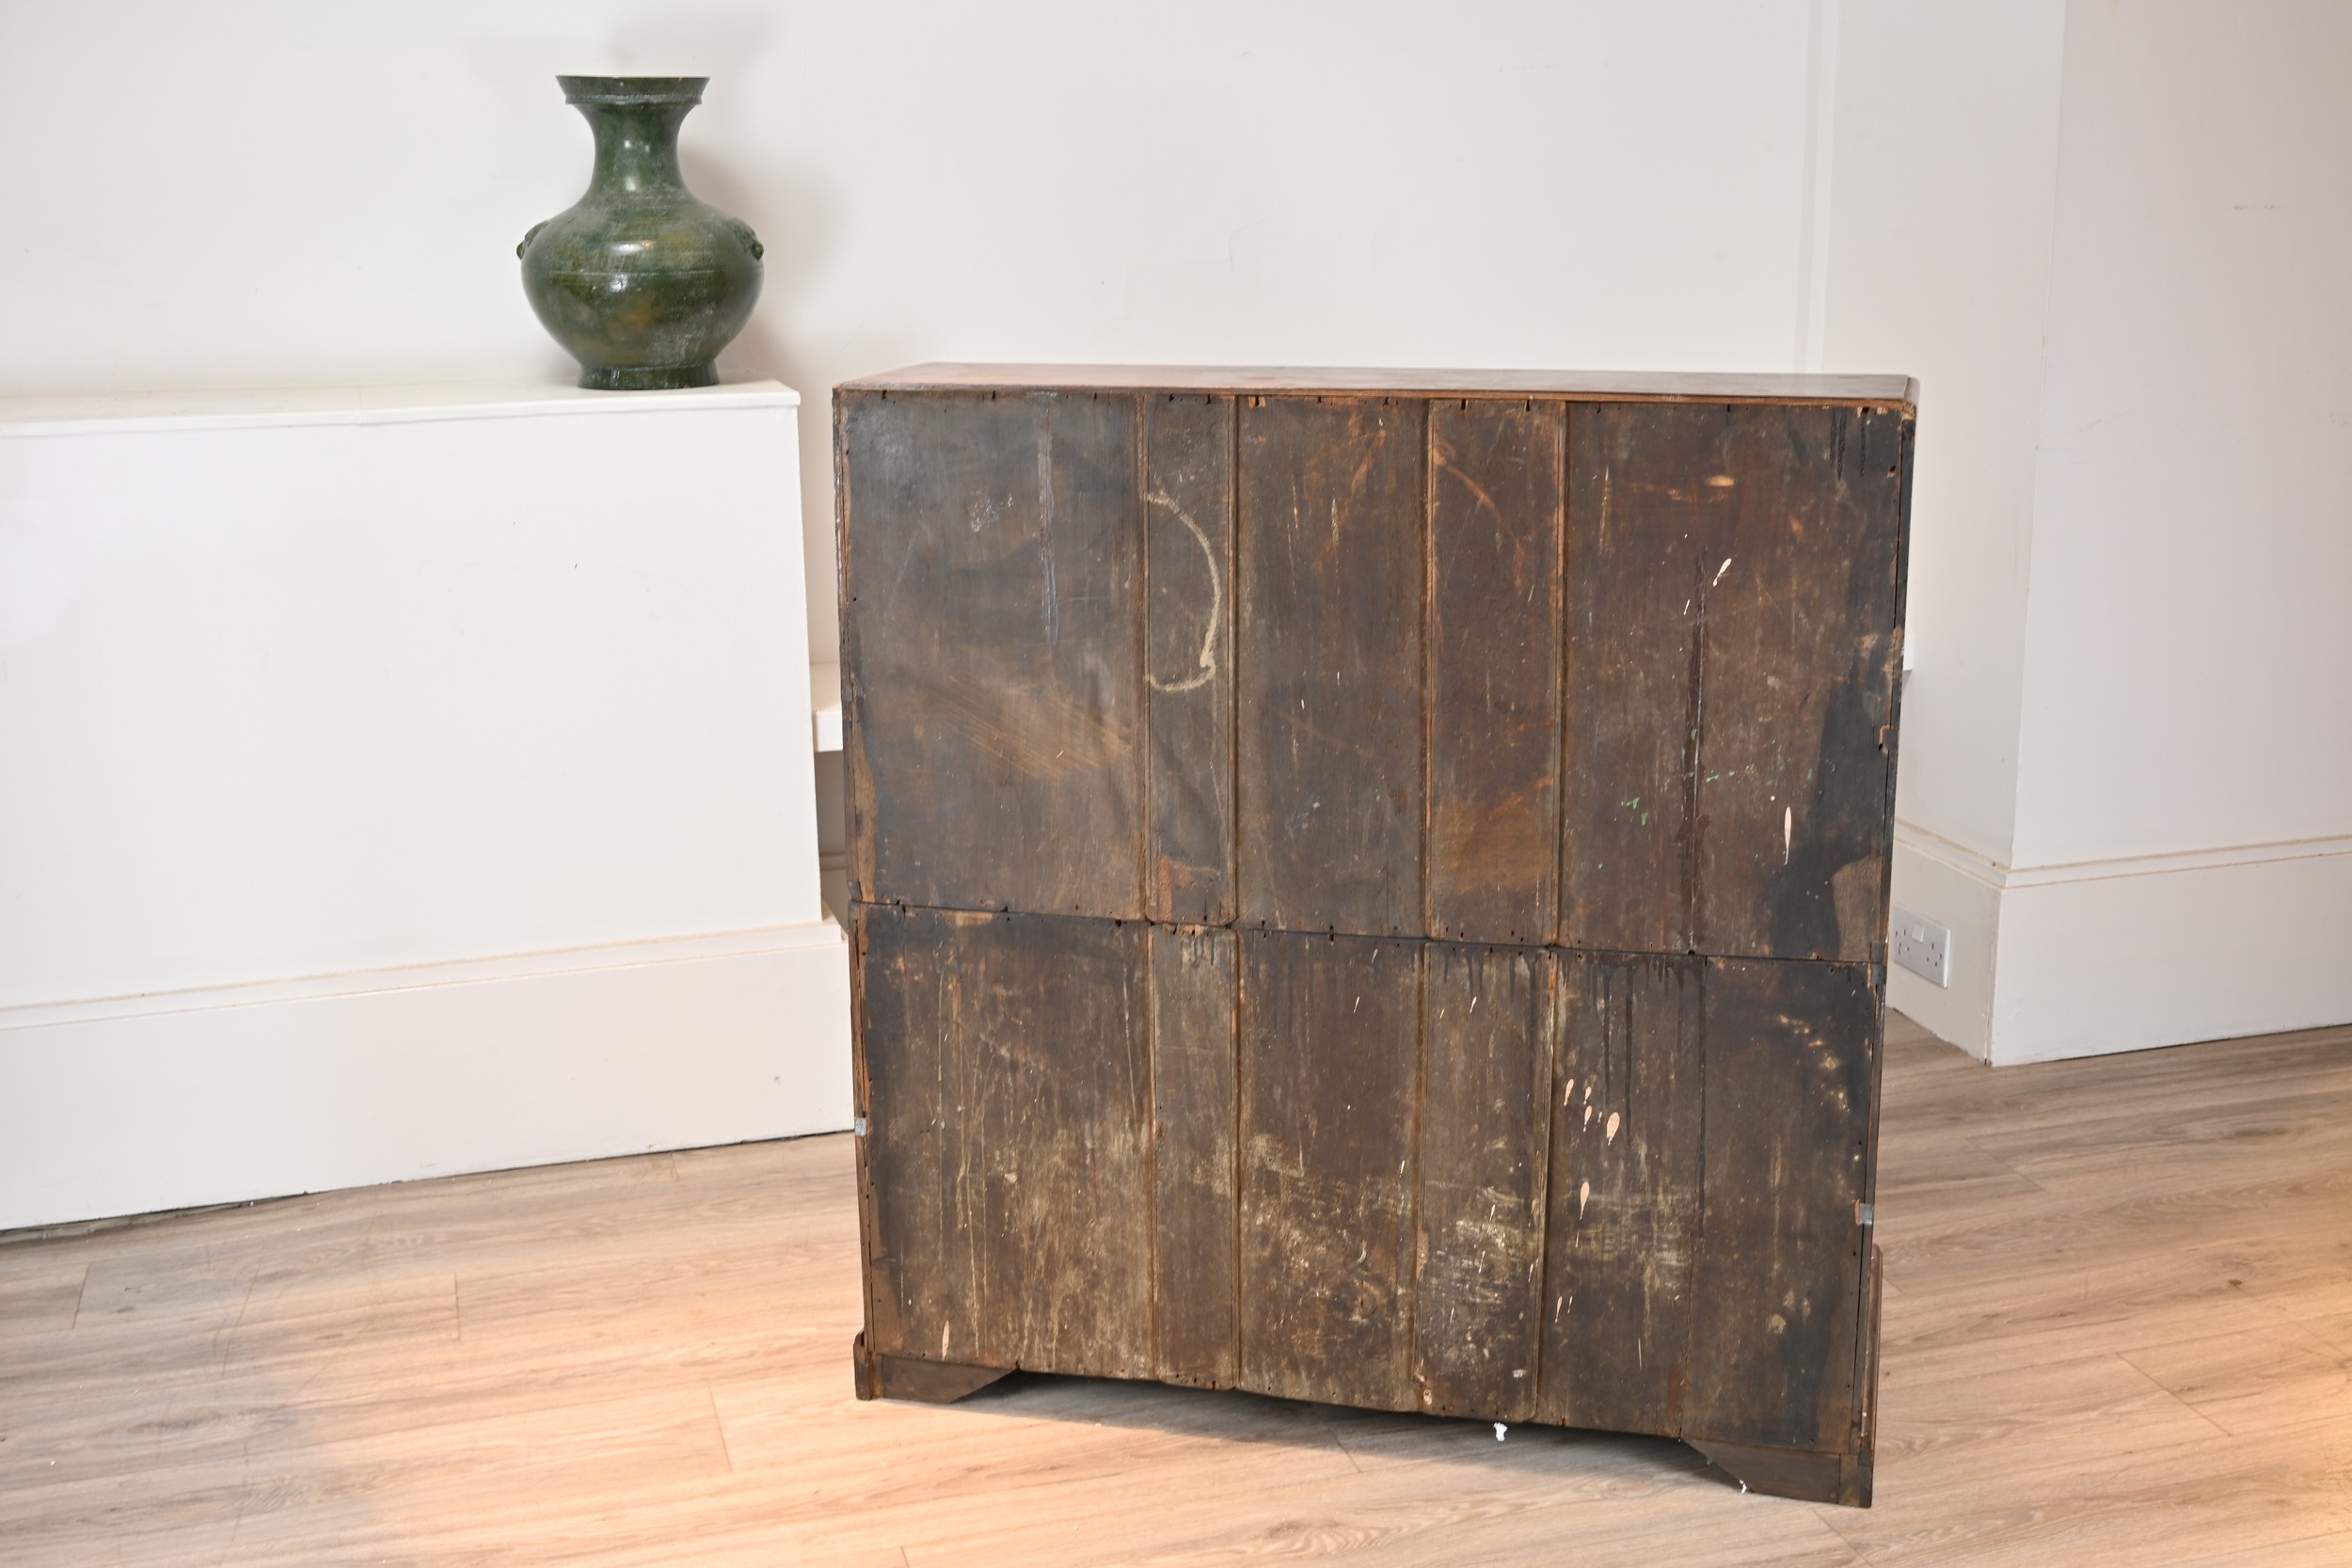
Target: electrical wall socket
1921, 946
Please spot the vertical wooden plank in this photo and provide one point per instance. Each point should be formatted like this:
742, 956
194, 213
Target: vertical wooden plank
1195, 1290
1329, 680
1188, 505
1008, 1138
1487, 1029
1330, 1079
1641, 508
1791, 1053
1495, 516
905, 1053
993, 650
1801, 615
1626, 1163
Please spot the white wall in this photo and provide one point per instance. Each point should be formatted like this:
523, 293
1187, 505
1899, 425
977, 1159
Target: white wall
2124, 782
2189, 641
2183, 863
271, 191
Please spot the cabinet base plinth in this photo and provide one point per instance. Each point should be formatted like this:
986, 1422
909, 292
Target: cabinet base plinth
1814, 1478
898, 1377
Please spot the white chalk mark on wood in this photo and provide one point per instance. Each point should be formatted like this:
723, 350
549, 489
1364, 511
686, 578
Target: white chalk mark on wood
1611, 1135
1207, 668
1721, 570
1787, 832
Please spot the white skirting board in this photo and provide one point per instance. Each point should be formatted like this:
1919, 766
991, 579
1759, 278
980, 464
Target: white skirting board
214, 1096
2124, 955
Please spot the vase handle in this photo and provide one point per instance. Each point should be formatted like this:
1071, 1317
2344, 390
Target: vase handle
532, 235
751, 241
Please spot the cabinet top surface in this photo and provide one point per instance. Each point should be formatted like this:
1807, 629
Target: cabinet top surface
1576, 386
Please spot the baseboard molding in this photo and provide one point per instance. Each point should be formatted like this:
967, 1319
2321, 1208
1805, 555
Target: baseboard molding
123, 1105
2088, 958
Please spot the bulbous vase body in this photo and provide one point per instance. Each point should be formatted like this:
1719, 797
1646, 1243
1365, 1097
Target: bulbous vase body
640, 282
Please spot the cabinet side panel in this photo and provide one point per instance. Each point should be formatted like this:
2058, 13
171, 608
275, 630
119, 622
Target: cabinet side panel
1010, 1137
993, 633
1487, 1031
1329, 685
1627, 1160
1790, 1054
1330, 1072
1195, 1257
1640, 508
1495, 503
1794, 755
1188, 503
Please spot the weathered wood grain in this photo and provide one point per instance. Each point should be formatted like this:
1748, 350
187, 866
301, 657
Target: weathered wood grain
1328, 683
1330, 1069
1196, 1260
1799, 620
1630, 692
1627, 1169
1006, 1064
1188, 503
1503, 790
1791, 1065
1495, 519
900, 1074
1487, 1031
992, 632
1732, 639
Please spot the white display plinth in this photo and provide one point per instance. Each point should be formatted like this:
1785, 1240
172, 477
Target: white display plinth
396, 782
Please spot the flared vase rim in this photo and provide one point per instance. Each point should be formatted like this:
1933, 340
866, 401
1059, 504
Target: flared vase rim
632, 89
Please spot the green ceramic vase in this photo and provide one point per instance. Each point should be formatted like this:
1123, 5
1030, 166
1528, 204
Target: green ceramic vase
640, 282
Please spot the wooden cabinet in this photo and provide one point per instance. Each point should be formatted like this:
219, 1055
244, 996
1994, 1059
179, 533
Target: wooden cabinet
1371, 887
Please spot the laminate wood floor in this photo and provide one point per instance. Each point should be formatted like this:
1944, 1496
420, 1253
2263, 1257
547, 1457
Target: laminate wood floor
2118, 1331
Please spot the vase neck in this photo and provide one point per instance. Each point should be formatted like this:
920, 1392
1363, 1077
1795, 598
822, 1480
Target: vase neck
637, 145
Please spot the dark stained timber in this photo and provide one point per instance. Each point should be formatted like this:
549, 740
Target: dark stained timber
1005, 1063
1373, 890
1328, 1089
1328, 686
1801, 671
1628, 1166
1188, 503
1495, 497
1196, 1296
992, 639
1487, 1027
1637, 493
1730, 679
1791, 1074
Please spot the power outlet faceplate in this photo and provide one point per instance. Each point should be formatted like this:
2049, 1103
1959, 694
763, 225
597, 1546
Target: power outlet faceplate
1921, 946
